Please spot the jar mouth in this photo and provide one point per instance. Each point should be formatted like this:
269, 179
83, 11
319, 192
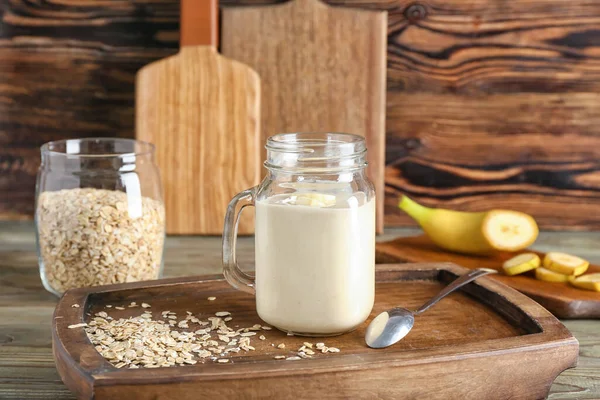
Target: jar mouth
98, 148
313, 142
316, 151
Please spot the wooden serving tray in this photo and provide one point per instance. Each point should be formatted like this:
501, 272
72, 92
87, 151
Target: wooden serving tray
561, 299
486, 342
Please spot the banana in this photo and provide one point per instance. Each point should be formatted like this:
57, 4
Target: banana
474, 232
521, 263
589, 281
565, 264
312, 199
547, 275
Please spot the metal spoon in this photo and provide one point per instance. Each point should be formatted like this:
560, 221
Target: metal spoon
391, 326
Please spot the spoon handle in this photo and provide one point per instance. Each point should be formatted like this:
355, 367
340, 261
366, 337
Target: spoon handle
456, 284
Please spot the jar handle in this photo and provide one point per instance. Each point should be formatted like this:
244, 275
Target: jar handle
231, 270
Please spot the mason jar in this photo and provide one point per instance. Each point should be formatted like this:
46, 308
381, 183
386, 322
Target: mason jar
99, 213
314, 236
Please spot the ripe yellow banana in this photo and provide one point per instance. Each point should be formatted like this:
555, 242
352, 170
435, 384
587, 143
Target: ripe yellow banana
474, 232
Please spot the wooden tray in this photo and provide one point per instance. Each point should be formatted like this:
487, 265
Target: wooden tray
561, 299
488, 343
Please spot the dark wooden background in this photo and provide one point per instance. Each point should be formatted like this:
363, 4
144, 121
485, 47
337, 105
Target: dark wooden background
491, 103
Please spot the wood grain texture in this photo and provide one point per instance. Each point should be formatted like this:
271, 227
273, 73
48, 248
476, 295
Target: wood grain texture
202, 111
322, 69
67, 70
458, 341
27, 368
495, 105
562, 299
490, 104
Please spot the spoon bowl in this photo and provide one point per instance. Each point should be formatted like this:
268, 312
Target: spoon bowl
389, 327
393, 325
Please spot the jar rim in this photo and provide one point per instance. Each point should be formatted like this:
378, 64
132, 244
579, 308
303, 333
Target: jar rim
72, 147
316, 152
294, 140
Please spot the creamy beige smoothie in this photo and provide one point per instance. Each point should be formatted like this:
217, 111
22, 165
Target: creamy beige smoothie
315, 262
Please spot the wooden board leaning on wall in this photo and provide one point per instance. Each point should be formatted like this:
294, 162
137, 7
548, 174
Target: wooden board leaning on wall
490, 104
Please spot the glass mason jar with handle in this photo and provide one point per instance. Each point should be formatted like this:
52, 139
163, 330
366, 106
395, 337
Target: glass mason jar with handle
99, 213
315, 235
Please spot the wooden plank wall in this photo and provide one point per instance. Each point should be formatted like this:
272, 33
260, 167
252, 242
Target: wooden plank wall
491, 103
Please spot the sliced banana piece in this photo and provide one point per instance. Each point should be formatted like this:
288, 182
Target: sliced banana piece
546, 275
312, 199
521, 263
565, 264
509, 230
588, 282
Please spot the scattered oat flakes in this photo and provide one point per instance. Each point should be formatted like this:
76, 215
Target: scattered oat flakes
222, 313
267, 328
146, 305
133, 304
75, 305
142, 342
290, 334
108, 306
224, 338
119, 308
227, 319
183, 324
333, 350
211, 298
77, 325
307, 344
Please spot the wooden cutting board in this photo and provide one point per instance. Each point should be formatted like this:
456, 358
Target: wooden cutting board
322, 68
486, 342
202, 111
562, 299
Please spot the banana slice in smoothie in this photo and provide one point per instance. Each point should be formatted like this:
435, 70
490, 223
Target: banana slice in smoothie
312, 199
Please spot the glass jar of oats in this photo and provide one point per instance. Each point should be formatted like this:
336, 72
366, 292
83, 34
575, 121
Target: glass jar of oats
99, 215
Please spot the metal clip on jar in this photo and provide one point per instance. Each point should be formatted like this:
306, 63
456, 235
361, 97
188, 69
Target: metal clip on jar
315, 235
99, 214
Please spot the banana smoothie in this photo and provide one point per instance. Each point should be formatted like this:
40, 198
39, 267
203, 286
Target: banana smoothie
315, 262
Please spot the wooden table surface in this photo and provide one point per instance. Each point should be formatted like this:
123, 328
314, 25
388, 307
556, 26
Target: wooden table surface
26, 366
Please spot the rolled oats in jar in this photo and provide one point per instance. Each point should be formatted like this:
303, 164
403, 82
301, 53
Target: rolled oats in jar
99, 213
